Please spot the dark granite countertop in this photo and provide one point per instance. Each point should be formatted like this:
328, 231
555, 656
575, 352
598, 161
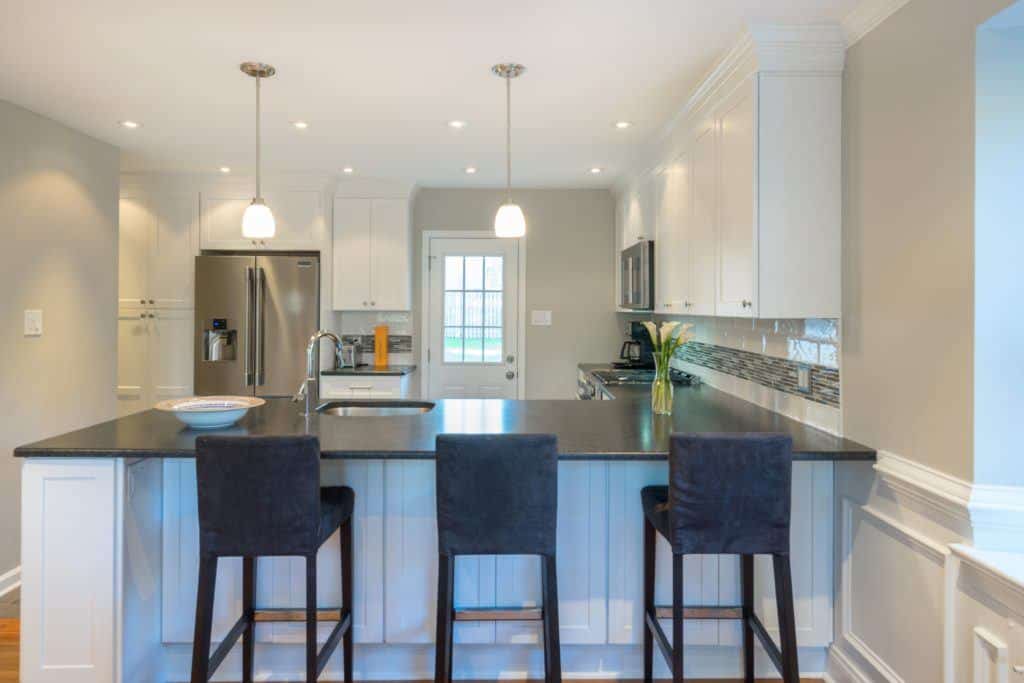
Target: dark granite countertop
623, 429
388, 371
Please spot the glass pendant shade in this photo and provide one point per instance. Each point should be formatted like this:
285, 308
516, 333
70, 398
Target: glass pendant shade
509, 221
258, 221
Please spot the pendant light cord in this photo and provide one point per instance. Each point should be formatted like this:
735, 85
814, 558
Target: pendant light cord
259, 193
508, 140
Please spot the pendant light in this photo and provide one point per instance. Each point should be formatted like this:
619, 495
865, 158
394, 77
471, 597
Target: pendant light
258, 221
509, 221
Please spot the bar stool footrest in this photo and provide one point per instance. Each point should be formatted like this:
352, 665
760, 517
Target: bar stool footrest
499, 614
270, 615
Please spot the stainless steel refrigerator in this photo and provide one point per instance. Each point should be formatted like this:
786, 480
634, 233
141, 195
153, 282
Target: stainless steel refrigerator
254, 316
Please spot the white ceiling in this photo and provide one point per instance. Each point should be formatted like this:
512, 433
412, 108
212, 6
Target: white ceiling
377, 80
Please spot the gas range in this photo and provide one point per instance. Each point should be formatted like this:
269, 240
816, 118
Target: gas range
615, 376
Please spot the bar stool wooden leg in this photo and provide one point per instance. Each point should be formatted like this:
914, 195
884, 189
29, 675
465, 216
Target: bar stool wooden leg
747, 588
677, 618
650, 546
552, 640
346, 595
311, 618
248, 612
787, 620
445, 626
204, 620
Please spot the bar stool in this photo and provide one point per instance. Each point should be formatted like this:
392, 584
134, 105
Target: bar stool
497, 495
727, 495
261, 496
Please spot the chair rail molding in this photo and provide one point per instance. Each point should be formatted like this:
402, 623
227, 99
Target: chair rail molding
994, 514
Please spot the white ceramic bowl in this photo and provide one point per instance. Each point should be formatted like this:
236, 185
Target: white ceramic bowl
210, 412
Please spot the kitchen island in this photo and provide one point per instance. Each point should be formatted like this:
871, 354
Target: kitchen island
110, 544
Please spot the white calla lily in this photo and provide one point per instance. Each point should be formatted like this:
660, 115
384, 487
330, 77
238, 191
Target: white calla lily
653, 331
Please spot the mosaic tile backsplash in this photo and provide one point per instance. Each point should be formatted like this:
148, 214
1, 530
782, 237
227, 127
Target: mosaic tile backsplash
777, 373
769, 352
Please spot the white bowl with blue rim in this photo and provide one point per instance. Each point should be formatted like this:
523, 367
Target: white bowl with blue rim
210, 412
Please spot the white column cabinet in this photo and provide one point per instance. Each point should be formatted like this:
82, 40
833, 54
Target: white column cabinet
154, 356
372, 255
156, 249
672, 241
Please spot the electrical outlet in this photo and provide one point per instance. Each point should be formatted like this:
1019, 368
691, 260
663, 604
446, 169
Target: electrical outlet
803, 378
33, 323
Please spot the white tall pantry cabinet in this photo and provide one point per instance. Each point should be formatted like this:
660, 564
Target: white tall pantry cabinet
748, 202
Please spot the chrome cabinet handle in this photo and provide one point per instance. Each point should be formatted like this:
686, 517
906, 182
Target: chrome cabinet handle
142, 301
142, 315
260, 277
151, 301
746, 304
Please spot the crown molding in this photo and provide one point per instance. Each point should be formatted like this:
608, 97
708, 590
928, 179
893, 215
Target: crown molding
799, 49
867, 16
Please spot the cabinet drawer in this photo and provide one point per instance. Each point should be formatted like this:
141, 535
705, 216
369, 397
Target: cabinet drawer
357, 386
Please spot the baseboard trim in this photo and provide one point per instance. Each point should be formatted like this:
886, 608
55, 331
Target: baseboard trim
10, 581
841, 668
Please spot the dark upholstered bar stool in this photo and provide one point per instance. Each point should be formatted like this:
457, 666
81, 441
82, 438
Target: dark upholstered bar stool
727, 495
497, 495
261, 496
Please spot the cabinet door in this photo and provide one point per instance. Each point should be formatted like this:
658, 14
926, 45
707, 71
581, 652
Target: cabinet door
132, 365
296, 216
390, 258
135, 226
638, 213
701, 232
351, 254
671, 247
737, 226
171, 349
172, 257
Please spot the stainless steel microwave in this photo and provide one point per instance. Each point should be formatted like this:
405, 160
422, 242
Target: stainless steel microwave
637, 271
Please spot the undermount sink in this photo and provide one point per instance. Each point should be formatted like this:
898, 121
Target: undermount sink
355, 408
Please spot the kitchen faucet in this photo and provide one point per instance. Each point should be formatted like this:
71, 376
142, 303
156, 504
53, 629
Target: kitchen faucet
310, 387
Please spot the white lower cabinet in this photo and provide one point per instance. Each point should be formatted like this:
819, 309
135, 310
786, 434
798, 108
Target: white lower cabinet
280, 581
364, 386
154, 356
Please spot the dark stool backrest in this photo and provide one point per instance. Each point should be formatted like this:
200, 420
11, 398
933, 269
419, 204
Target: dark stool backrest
258, 495
729, 493
497, 494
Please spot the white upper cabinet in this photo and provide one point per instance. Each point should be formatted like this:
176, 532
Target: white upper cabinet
298, 215
762, 135
372, 255
737, 219
157, 248
638, 214
672, 238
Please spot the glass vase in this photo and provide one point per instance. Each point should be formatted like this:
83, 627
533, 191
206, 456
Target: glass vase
661, 389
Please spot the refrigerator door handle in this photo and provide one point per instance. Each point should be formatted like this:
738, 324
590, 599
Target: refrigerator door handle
249, 282
260, 279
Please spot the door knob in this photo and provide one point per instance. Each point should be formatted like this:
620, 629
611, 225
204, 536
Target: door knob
510, 375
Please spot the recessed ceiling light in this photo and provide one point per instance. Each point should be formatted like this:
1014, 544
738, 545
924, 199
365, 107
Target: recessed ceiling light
595, 170
225, 169
301, 125
457, 124
622, 125
349, 170
471, 170
130, 124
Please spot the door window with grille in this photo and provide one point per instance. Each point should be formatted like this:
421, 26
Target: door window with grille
473, 309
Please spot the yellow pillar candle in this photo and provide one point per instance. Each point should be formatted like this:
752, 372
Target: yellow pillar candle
380, 346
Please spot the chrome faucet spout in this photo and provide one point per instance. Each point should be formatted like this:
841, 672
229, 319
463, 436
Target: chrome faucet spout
310, 389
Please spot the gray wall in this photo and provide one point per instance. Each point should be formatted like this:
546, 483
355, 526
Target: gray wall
58, 212
908, 248
569, 271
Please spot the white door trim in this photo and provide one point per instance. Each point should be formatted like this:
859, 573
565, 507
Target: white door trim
425, 304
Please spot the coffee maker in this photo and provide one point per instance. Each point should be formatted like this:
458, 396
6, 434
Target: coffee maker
637, 351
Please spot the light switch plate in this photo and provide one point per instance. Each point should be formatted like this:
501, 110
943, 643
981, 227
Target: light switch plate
540, 318
33, 323
803, 378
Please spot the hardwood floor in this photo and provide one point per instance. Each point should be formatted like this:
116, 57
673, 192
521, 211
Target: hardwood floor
9, 632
